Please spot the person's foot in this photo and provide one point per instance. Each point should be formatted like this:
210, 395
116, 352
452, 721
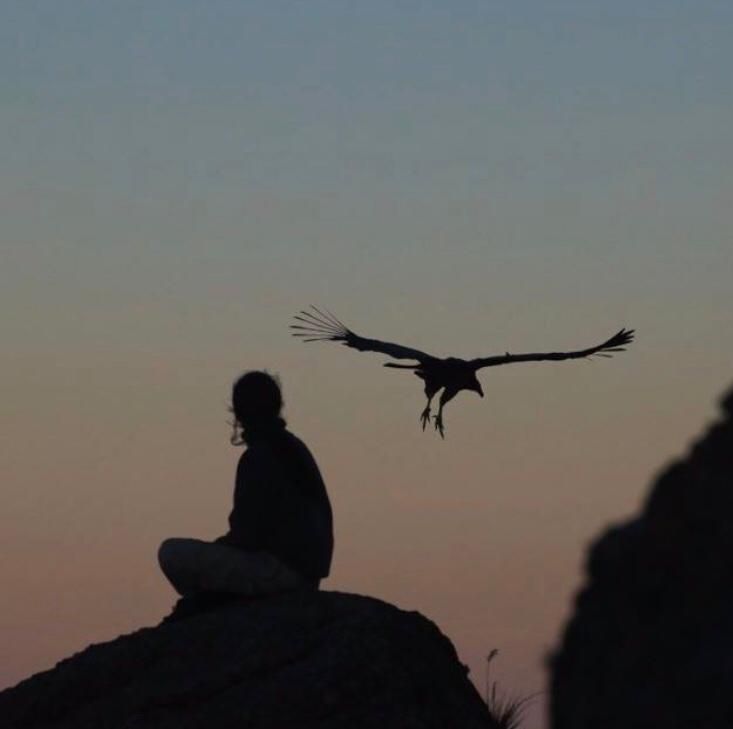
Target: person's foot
197, 604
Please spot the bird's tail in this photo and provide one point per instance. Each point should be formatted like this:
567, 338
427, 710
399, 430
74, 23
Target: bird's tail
401, 367
320, 326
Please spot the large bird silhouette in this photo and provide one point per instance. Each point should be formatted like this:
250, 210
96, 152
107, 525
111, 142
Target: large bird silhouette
449, 374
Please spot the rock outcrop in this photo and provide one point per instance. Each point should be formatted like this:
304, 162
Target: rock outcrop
651, 641
295, 661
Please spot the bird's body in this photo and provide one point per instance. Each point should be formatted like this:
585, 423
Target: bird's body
449, 374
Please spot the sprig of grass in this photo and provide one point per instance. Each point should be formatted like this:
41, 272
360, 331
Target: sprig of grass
506, 711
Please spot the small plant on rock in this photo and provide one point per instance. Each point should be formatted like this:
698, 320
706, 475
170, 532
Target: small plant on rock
506, 711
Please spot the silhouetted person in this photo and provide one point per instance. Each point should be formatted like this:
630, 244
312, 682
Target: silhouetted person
280, 529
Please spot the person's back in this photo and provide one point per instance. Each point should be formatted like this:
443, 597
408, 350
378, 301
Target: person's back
280, 535
280, 503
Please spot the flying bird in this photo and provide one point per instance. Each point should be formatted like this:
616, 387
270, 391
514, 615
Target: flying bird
449, 374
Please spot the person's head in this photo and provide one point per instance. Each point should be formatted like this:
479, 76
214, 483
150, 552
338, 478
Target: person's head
256, 402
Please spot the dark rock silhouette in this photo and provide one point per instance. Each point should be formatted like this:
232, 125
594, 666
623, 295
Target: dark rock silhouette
298, 660
651, 640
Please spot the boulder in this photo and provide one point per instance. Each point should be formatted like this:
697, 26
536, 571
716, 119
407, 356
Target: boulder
298, 660
650, 643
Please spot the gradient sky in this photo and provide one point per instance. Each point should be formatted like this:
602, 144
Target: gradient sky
178, 178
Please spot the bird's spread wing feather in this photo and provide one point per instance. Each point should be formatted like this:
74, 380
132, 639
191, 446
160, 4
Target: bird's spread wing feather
316, 325
614, 344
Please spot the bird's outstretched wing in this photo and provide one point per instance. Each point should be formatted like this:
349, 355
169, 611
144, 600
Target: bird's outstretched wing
614, 344
317, 326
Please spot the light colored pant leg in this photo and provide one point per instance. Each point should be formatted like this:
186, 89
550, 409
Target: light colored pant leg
192, 565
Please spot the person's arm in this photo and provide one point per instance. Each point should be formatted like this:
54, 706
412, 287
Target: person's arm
249, 516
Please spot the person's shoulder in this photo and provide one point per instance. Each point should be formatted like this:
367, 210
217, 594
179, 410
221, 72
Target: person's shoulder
296, 442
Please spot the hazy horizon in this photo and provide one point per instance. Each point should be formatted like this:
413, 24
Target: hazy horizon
178, 179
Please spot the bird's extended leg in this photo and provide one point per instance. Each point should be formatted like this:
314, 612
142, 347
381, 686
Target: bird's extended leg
444, 398
439, 421
425, 415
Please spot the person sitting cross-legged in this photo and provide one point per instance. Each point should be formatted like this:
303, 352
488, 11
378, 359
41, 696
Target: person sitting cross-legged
280, 530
